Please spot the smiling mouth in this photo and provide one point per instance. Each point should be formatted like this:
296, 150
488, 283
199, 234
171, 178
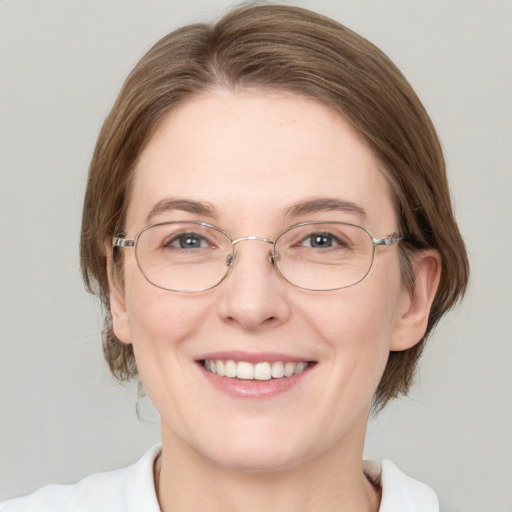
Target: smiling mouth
259, 371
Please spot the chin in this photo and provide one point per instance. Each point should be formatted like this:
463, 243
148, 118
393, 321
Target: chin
257, 459
257, 450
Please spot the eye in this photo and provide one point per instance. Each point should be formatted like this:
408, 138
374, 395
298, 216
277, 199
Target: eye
187, 241
321, 241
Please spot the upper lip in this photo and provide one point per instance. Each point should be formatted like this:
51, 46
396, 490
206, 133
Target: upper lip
252, 357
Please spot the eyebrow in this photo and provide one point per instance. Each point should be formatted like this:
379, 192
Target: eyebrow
325, 204
170, 204
300, 208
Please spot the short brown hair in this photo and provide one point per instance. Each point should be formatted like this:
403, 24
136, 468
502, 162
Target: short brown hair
288, 49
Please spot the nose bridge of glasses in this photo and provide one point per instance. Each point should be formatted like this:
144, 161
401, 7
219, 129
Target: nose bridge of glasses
231, 258
257, 238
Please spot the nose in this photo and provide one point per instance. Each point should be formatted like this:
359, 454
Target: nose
253, 296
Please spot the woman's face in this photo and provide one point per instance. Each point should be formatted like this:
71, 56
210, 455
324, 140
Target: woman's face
254, 164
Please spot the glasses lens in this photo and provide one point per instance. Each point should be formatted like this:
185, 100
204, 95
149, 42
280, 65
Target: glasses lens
183, 256
324, 256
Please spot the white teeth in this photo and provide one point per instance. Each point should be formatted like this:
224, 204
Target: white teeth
245, 370
289, 369
230, 368
300, 368
262, 371
277, 370
259, 371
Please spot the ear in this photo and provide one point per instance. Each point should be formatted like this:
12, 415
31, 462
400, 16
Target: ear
414, 306
120, 323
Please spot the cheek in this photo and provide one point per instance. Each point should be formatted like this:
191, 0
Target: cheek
166, 331
355, 318
356, 326
359, 340
159, 320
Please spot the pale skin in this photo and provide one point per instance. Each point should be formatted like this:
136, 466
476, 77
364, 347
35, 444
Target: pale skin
251, 157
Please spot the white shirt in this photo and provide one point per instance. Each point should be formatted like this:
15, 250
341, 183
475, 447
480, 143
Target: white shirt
132, 489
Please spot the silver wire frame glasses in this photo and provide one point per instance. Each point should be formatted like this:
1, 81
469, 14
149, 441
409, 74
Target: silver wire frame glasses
193, 256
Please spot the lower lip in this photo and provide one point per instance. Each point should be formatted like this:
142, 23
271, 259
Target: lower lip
240, 388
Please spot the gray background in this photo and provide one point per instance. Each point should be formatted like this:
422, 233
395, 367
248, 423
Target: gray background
61, 65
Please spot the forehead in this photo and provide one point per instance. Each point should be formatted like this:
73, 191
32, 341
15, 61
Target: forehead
255, 155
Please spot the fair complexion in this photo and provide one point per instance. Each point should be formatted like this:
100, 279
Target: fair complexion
254, 163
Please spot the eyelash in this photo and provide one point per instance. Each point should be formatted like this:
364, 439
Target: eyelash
185, 236
333, 239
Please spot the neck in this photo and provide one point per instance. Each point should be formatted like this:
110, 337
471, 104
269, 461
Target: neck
187, 482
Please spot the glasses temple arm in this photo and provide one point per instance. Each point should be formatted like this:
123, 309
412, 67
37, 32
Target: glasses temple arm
390, 240
119, 241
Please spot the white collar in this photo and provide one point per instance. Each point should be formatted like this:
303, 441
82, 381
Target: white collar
400, 492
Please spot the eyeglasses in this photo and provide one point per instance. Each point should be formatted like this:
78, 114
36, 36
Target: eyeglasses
195, 256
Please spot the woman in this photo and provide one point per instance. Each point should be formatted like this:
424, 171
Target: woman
268, 224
